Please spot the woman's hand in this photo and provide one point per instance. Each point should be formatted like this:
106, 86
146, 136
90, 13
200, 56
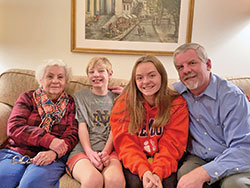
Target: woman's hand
44, 158
59, 146
149, 181
104, 158
95, 159
158, 179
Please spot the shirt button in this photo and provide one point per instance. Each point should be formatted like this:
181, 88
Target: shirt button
237, 169
197, 119
209, 149
216, 173
205, 133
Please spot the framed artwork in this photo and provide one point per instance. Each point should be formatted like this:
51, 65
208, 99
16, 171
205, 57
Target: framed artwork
155, 27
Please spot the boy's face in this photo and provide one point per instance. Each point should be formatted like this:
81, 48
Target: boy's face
99, 76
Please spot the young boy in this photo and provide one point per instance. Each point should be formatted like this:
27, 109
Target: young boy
93, 162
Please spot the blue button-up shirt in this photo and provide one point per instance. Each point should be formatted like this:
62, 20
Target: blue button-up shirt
219, 127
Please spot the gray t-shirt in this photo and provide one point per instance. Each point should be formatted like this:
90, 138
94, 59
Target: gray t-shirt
94, 110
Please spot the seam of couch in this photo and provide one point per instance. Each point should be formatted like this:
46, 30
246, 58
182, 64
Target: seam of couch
16, 72
74, 81
237, 78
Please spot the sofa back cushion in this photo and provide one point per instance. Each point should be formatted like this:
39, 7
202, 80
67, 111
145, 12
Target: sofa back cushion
15, 81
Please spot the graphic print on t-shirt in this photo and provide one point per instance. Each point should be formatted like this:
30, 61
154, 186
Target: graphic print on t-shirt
101, 118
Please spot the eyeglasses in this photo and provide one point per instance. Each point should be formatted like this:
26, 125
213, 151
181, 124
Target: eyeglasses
20, 160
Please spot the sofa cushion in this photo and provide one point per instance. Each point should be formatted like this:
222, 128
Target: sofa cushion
15, 81
68, 182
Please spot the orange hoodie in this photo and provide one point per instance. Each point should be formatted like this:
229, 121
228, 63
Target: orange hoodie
165, 144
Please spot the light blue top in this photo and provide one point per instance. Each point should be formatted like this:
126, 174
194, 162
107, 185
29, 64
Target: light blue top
219, 127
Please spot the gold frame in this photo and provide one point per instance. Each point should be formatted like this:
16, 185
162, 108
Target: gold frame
74, 48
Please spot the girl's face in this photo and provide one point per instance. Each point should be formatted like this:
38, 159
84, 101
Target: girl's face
99, 76
148, 80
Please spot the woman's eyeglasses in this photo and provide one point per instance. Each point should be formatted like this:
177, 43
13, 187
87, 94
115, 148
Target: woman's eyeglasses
20, 160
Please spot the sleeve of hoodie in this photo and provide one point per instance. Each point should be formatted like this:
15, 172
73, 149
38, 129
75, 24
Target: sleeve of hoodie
126, 145
173, 142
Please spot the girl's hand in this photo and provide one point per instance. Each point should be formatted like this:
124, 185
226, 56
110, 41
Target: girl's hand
44, 158
104, 157
158, 179
149, 180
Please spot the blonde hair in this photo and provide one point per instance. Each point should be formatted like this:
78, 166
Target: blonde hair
99, 60
51, 62
135, 100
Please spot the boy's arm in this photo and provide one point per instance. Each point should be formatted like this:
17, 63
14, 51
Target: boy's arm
104, 155
109, 144
84, 140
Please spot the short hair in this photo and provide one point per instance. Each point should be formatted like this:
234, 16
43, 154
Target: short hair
200, 50
99, 60
51, 62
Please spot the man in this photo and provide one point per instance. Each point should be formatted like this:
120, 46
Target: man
218, 152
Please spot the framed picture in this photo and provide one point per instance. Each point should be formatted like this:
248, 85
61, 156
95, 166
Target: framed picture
153, 27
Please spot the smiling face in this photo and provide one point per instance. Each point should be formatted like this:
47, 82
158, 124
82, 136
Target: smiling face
148, 81
99, 77
193, 73
53, 81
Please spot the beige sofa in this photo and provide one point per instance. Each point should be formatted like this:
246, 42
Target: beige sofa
15, 81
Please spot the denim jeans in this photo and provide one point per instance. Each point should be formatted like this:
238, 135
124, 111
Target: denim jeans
29, 175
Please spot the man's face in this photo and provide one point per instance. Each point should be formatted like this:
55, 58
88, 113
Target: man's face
193, 73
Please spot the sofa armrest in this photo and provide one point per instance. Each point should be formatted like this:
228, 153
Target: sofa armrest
5, 111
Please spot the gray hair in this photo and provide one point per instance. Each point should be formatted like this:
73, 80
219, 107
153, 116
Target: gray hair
200, 50
51, 62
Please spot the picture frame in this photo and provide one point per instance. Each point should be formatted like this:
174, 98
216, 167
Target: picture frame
90, 34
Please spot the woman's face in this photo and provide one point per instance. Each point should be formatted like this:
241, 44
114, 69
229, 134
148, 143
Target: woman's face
54, 81
148, 80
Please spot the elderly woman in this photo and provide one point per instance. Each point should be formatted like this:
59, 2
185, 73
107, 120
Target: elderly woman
42, 130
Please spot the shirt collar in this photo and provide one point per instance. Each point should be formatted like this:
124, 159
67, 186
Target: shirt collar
210, 91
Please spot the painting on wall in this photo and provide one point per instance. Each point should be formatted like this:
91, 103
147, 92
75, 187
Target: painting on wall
154, 27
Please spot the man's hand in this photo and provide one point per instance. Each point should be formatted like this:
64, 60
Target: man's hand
194, 179
116, 89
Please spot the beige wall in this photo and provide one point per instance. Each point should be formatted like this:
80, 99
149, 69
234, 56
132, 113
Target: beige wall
33, 30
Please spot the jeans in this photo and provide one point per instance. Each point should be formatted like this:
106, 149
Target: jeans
29, 175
